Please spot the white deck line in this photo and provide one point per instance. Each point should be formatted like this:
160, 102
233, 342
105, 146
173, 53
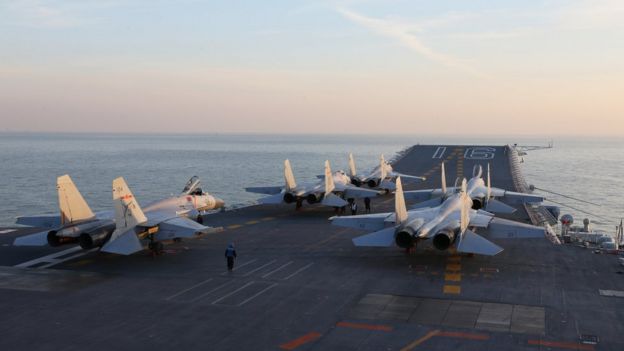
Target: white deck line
48, 258
299, 271
212, 290
278, 269
239, 266
231, 293
259, 268
189, 289
257, 294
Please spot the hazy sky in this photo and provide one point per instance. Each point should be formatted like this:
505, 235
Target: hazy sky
426, 67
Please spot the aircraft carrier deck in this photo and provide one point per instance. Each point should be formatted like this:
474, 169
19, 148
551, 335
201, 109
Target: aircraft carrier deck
300, 284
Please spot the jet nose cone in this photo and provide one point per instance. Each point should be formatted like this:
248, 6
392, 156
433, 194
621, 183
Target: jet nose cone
219, 203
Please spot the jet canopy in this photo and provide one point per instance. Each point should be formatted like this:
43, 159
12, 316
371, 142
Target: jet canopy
193, 187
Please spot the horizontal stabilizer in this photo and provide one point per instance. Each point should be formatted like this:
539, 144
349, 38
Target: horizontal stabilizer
518, 198
359, 193
272, 200
470, 242
387, 185
418, 195
37, 239
179, 227
382, 238
43, 221
504, 228
333, 200
269, 190
126, 243
410, 177
366, 222
429, 203
496, 206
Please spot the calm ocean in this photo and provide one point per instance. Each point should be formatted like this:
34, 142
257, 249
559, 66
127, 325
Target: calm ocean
156, 166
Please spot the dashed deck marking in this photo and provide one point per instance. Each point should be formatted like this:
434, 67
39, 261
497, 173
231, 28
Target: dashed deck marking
53, 259
240, 266
452, 289
452, 277
189, 289
259, 268
258, 294
417, 342
278, 269
365, 326
453, 267
267, 218
291, 345
561, 345
234, 226
299, 271
252, 222
231, 293
212, 290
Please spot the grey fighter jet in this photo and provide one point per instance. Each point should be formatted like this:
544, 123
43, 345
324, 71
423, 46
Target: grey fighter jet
381, 177
331, 190
447, 225
483, 195
161, 220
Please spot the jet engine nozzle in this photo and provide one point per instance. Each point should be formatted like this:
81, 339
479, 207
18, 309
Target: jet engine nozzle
55, 240
90, 240
289, 198
373, 183
477, 203
443, 239
313, 198
404, 238
356, 182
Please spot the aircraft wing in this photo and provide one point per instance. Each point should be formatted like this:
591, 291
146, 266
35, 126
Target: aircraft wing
180, 227
367, 222
269, 190
514, 197
48, 221
36, 239
504, 228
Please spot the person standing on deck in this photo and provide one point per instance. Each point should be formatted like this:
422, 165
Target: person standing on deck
230, 255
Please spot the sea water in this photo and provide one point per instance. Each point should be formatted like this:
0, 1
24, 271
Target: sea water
157, 166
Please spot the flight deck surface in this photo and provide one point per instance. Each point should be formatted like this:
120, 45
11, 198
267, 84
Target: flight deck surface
300, 284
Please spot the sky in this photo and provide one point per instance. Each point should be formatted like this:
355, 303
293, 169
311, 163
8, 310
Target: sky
529, 67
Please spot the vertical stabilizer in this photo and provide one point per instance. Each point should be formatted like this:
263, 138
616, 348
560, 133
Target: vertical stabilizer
127, 211
489, 184
289, 177
443, 178
72, 205
329, 179
352, 169
465, 206
383, 168
399, 203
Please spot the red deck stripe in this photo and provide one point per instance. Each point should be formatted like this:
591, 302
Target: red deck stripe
291, 345
364, 326
562, 345
460, 335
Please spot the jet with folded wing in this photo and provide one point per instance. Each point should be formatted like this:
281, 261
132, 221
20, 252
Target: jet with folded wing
483, 195
381, 177
331, 190
450, 224
162, 220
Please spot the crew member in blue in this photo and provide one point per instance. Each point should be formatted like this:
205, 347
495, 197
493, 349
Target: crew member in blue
230, 255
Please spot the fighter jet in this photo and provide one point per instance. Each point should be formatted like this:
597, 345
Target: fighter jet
162, 220
329, 191
381, 177
447, 225
483, 195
